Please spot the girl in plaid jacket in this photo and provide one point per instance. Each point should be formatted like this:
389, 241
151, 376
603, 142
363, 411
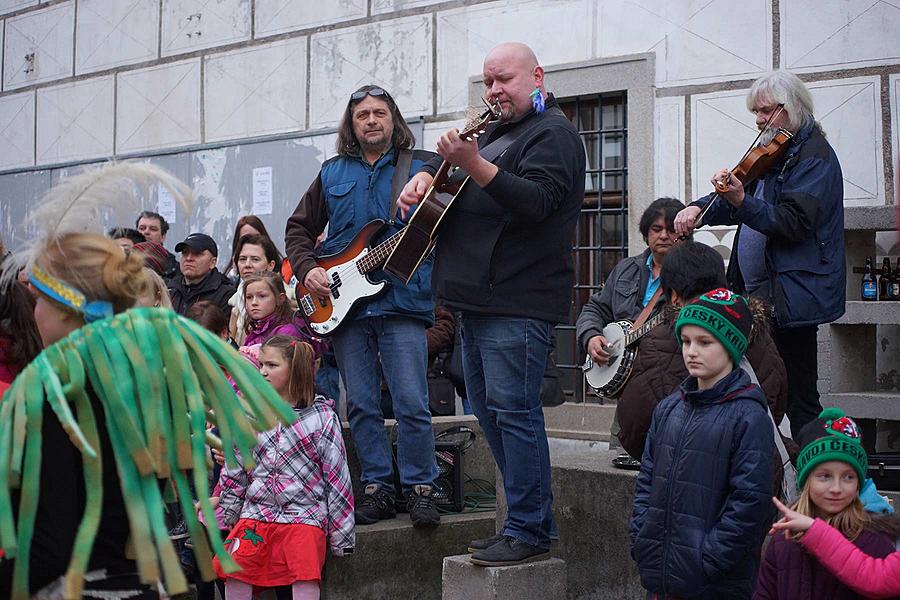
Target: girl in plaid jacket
282, 512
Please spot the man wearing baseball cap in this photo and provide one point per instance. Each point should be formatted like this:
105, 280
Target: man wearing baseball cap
199, 279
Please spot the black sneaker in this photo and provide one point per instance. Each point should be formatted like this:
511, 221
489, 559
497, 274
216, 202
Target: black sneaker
179, 532
484, 543
422, 511
375, 505
627, 462
509, 551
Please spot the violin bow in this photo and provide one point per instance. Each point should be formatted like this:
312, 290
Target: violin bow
699, 220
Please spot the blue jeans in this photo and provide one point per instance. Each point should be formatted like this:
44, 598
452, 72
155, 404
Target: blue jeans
503, 362
328, 383
399, 342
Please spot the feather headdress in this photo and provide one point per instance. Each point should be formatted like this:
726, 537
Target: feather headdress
79, 203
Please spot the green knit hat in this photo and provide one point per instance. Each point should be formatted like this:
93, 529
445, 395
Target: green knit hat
833, 436
724, 314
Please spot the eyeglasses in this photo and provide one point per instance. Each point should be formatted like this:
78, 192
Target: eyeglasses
375, 91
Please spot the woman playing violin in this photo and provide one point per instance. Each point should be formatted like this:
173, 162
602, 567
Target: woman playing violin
789, 247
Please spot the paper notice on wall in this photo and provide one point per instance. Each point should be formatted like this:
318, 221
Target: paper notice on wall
262, 191
165, 204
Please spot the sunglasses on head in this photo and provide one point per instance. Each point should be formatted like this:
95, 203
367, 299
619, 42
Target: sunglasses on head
375, 91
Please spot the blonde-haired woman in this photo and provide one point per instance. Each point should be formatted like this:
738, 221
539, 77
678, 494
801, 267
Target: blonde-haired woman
112, 412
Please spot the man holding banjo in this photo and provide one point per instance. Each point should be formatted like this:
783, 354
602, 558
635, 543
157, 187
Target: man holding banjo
631, 291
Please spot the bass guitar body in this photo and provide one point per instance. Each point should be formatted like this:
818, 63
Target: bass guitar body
349, 282
609, 381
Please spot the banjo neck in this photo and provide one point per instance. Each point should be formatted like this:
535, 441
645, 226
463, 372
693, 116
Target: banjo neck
635, 334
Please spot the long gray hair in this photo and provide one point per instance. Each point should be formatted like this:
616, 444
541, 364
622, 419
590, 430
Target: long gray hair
783, 87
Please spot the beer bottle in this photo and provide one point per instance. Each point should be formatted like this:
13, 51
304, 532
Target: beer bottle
884, 280
895, 282
868, 286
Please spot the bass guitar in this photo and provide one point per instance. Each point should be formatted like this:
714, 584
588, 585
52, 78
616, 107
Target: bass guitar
348, 273
420, 234
609, 381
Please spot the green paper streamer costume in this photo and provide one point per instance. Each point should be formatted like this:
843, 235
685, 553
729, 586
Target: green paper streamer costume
157, 376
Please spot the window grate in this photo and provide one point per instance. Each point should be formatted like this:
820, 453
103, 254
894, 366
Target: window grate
601, 236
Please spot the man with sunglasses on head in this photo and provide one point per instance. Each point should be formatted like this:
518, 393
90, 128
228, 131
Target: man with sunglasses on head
504, 260
789, 246
386, 334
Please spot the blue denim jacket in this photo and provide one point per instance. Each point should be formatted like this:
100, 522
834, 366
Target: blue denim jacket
355, 194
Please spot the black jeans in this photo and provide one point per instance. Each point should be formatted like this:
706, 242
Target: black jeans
799, 351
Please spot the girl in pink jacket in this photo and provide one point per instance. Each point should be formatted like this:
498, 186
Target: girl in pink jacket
871, 577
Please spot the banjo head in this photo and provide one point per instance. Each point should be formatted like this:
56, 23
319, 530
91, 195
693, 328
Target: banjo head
599, 377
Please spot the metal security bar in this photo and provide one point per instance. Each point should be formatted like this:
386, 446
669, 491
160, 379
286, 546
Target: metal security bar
601, 236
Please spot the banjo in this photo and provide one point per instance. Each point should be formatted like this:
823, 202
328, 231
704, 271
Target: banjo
609, 381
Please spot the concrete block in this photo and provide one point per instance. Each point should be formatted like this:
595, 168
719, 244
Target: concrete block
158, 107
111, 33
579, 420
256, 91
866, 405
189, 25
853, 353
869, 313
17, 125
464, 581
465, 35
76, 120
394, 561
280, 16
395, 54
592, 505
39, 46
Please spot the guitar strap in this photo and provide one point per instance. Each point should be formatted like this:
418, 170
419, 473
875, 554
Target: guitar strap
401, 176
645, 314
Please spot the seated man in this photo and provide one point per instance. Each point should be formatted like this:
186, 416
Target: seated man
199, 278
690, 270
629, 288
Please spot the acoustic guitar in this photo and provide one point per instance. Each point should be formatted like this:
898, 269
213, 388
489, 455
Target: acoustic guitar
419, 235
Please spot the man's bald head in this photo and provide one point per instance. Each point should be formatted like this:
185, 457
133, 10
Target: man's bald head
511, 73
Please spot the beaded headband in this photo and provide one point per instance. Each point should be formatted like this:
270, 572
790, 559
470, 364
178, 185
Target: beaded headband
67, 295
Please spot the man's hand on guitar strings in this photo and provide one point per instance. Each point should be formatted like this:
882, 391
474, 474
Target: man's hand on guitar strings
463, 153
413, 192
316, 281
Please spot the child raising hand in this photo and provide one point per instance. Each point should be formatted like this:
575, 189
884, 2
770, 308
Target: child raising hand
298, 494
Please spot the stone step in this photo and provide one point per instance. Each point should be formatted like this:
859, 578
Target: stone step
395, 561
464, 581
579, 420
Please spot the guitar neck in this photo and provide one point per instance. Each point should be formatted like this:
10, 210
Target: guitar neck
377, 255
635, 334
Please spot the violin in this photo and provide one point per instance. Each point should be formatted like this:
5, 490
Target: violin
757, 160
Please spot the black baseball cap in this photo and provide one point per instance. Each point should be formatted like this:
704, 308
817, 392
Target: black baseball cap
198, 242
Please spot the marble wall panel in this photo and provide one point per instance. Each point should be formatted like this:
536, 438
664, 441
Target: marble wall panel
433, 131
465, 35
385, 6
256, 91
824, 36
8, 6
280, 16
75, 120
158, 107
17, 130
848, 109
195, 24
394, 54
111, 33
39, 46
894, 87
695, 41
669, 146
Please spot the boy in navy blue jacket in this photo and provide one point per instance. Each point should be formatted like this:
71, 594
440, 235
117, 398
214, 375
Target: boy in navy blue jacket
701, 504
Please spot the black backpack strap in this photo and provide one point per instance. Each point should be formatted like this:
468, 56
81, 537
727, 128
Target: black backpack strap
401, 176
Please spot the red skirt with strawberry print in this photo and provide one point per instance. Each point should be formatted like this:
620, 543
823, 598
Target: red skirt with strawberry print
274, 554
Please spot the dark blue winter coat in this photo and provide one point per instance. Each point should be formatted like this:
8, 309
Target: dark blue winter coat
703, 497
802, 215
